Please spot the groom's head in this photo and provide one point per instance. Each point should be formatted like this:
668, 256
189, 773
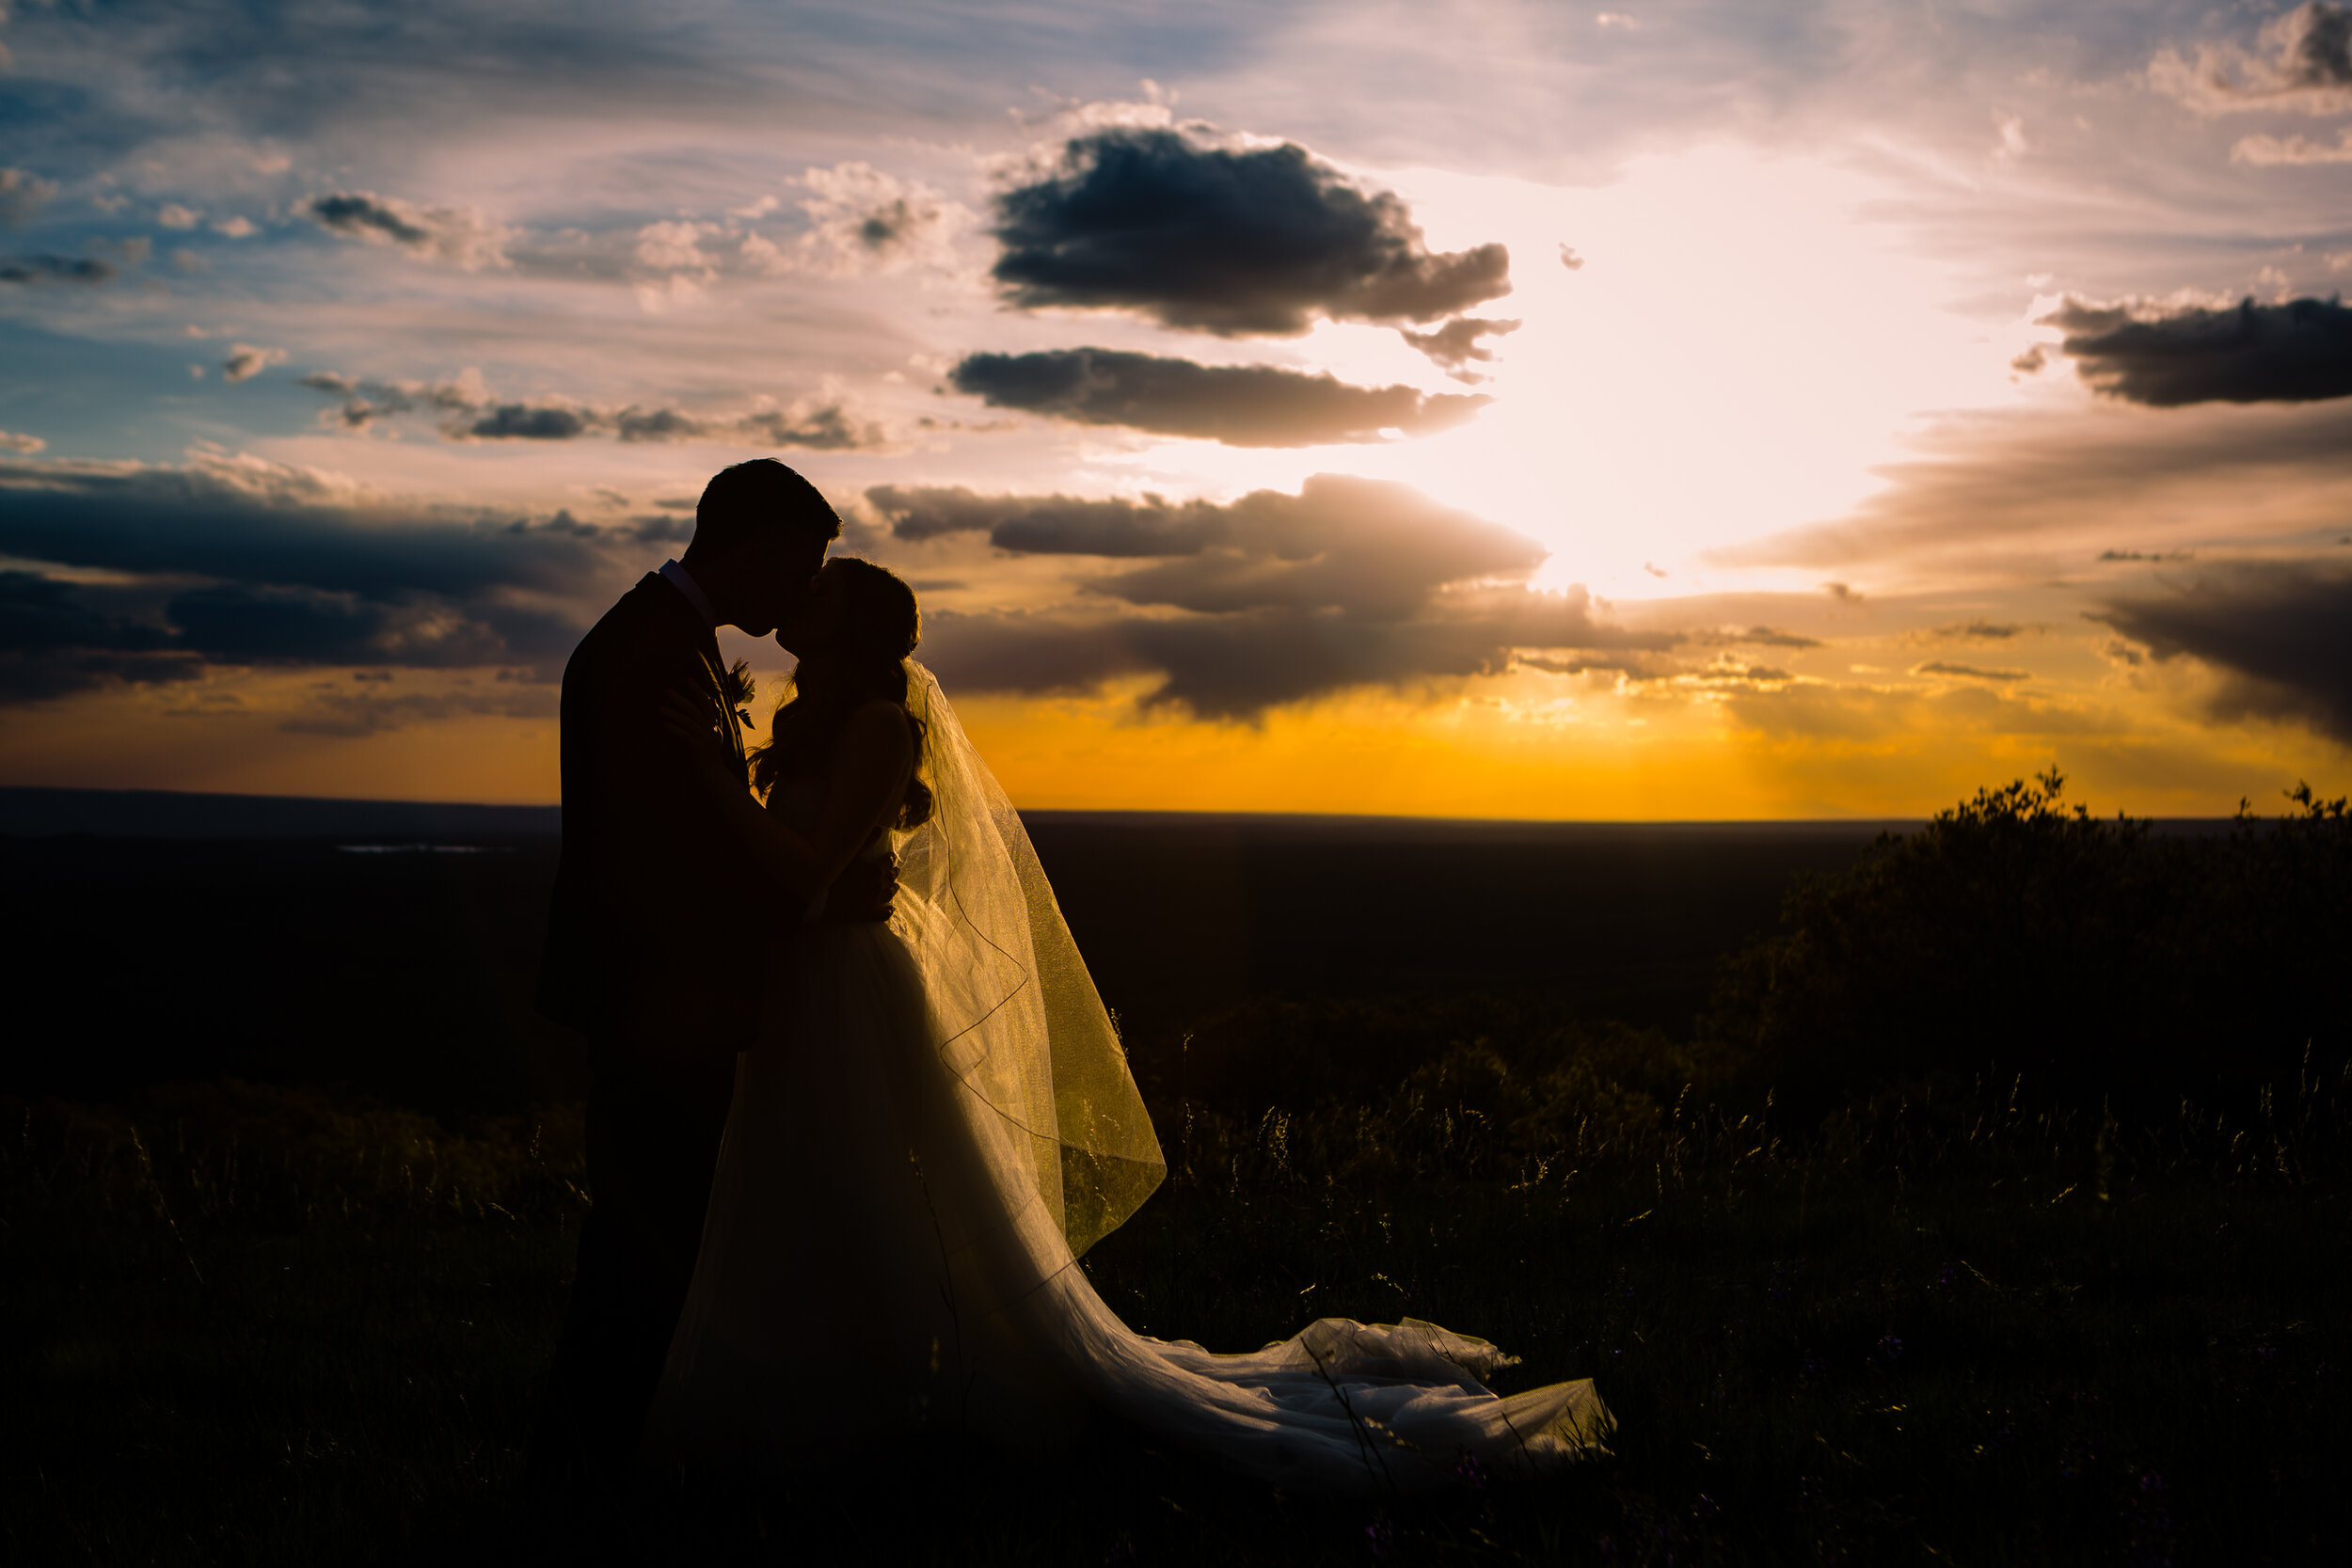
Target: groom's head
760, 532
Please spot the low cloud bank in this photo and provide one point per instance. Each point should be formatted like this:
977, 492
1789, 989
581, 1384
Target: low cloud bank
2278, 633
464, 410
1245, 605
234, 562
1241, 405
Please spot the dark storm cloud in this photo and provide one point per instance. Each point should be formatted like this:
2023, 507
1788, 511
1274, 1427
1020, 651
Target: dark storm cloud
247, 564
1241, 406
2299, 352
55, 269
1453, 346
2279, 632
1265, 240
1269, 599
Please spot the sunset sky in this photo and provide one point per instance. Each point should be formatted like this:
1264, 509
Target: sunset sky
1691, 410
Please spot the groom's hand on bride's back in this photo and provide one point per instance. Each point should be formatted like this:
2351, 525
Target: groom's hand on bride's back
864, 891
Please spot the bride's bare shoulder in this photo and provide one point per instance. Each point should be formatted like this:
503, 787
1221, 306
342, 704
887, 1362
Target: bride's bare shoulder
879, 726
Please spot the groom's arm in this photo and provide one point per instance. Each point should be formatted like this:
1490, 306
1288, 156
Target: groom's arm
870, 768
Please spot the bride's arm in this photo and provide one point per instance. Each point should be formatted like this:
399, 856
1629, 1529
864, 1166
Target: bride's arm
875, 755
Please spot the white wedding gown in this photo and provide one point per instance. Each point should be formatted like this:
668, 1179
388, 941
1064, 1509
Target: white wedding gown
936, 1120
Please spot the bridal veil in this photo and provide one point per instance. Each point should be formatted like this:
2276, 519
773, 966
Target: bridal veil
1018, 1017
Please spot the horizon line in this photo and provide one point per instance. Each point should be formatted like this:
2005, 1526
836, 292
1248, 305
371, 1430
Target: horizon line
59, 792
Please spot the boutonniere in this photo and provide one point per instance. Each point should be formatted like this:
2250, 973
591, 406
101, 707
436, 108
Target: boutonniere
738, 689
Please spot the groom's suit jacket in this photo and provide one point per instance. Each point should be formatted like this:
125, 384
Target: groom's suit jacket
651, 934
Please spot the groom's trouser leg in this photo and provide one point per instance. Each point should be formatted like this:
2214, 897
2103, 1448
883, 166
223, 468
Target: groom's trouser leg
652, 1146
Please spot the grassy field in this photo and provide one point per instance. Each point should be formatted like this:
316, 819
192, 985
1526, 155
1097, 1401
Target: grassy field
1994, 1210
250, 1324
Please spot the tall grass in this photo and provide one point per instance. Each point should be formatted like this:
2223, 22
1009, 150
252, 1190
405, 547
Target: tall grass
264, 1326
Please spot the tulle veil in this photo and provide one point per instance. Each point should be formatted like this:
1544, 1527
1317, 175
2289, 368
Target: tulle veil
1019, 1019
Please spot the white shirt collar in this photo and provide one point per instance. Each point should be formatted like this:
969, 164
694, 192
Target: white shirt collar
683, 581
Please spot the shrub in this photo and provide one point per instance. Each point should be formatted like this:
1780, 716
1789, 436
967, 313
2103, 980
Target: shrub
2092, 959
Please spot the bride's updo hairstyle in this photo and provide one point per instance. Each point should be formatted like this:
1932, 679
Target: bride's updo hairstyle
865, 659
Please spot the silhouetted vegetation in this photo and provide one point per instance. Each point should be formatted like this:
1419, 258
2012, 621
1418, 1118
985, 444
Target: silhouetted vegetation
2092, 959
1976, 1291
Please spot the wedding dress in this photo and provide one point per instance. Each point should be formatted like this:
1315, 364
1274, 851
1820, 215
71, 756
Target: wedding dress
938, 1120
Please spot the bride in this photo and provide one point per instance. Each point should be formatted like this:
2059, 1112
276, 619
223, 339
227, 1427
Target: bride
938, 1119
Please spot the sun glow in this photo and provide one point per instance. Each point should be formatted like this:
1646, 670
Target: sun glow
1735, 347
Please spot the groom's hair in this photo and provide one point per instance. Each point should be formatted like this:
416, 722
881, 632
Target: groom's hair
751, 498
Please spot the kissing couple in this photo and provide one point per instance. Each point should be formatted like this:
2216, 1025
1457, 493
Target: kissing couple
857, 1108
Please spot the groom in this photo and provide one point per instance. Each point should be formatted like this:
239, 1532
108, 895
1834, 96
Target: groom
653, 943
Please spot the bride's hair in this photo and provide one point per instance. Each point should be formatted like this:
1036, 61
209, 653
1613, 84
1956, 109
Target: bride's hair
865, 659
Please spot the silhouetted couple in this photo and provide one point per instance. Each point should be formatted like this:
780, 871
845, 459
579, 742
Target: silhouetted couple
857, 1112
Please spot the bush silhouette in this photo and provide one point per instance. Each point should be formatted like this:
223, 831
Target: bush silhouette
2090, 959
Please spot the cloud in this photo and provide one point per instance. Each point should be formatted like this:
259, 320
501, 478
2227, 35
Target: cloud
1989, 496
1250, 604
55, 269
1454, 345
365, 711
245, 362
12, 441
2278, 633
1766, 637
466, 410
1224, 240
2264, 150
2308, 65
1969, 672
862, 220
22, 196
521, 422
456, 234
2297, 352
54, 642
233, 561
1980, 631
1241, 405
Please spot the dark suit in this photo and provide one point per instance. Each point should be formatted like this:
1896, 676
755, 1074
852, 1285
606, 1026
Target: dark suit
651, 943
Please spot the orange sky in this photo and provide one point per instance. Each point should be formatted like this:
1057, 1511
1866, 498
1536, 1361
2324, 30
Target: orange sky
1676, 421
